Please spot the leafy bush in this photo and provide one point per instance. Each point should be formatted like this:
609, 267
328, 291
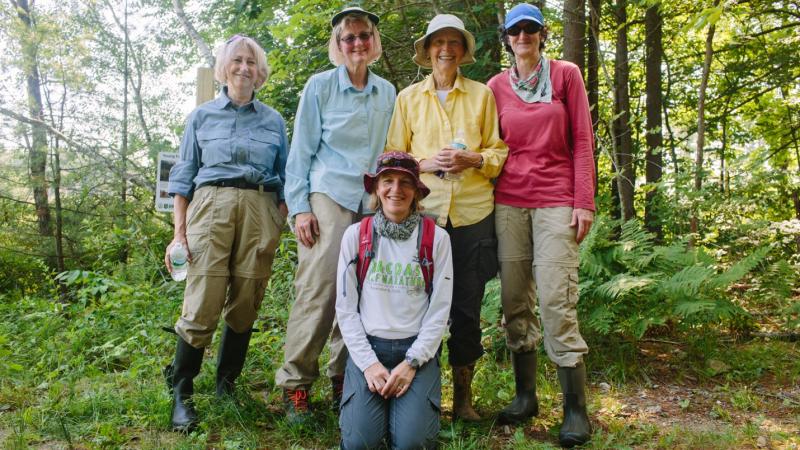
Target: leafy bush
629, 284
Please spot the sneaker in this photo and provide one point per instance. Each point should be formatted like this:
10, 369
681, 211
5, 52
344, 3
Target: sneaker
296, 403
337, 389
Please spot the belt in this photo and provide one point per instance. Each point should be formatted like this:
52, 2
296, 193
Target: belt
240, 184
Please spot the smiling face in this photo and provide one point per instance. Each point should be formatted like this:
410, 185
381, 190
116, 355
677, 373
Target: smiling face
525, 45
396, 192
446, 49
355, 43
242, 71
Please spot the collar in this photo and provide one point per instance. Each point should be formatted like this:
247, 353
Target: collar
222, 101
345, 83
430, 85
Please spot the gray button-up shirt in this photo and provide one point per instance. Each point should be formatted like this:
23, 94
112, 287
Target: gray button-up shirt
223, 141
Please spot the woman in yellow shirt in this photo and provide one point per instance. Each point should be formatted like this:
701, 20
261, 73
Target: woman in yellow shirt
449, 123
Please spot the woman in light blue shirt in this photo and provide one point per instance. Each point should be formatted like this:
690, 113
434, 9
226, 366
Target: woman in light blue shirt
229, 210
340, 128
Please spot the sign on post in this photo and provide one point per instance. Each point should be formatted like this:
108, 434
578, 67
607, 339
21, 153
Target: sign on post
165, 162
203, 93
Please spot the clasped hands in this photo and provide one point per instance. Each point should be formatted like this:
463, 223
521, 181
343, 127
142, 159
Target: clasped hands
393, 384
451, 160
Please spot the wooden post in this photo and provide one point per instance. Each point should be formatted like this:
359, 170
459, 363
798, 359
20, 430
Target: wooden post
205, 85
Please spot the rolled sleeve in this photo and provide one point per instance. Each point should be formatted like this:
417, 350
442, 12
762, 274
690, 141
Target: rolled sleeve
182, 174
493, 149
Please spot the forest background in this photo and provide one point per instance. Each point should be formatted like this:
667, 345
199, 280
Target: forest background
689, 279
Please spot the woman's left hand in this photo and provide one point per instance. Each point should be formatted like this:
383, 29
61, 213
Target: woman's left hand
399, 381
456, 161
283, 209
582, 218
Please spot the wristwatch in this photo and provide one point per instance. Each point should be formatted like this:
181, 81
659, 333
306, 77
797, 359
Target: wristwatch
413, 362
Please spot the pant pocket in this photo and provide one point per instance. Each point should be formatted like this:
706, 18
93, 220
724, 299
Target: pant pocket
572, 287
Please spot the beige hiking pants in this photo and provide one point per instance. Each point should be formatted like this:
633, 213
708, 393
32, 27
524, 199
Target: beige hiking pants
232, 235
313, 314
538, 255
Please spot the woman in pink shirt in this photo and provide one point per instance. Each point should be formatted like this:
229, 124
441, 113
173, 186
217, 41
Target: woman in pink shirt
544, 207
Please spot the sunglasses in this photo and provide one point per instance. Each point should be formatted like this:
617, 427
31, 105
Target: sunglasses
404, 163
351, 38
236, 37
528, 28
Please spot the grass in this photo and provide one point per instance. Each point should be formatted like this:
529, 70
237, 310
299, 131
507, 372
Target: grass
87, 374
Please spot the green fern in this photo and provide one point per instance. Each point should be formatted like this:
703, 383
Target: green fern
740, 269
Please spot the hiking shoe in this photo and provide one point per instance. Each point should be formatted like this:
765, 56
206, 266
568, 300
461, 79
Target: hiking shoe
295, 402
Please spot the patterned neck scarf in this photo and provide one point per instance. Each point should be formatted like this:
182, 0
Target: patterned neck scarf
397, 231
537, 87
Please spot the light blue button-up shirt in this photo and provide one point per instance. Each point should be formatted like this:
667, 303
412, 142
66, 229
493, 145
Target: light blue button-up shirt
339, 132
223, 141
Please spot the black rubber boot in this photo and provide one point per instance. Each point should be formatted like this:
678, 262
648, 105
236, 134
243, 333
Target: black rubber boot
232, 352
576, 429
185, 367
525, 404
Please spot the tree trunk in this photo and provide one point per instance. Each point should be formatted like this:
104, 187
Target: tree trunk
38, 150
701, 121
177, 6
575, 32
593, 71
123, 190
626, 176
654, 160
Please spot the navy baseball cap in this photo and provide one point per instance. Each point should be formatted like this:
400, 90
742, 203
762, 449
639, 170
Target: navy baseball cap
523, 11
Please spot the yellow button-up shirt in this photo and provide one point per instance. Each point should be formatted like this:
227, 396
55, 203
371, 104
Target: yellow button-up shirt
422, 127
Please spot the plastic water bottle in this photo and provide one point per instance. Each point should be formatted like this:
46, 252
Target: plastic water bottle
459, 143
179, 258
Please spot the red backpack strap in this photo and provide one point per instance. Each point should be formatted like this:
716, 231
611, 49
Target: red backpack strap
365, 251
425, 249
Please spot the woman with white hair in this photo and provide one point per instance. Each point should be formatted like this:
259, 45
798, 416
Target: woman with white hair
228, 212
340, 128
449, 124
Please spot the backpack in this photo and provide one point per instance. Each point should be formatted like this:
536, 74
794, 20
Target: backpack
367, 241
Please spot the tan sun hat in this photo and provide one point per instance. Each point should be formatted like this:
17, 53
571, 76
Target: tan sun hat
440, 22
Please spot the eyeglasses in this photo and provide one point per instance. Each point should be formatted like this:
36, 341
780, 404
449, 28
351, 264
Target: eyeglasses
350, 39
405, 163
528, 28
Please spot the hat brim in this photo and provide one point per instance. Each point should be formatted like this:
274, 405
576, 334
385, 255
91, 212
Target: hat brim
370, 180
340, 15
519, 19
421, 58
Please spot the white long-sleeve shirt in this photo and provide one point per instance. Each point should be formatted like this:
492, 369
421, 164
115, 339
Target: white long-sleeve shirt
394, 304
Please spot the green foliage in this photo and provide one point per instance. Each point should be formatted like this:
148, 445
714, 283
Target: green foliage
629, 284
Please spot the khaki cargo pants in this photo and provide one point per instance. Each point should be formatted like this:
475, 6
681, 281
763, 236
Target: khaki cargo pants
232, 235
538, 255
312, 319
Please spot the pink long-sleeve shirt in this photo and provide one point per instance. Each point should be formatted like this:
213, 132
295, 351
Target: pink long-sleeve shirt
550, 145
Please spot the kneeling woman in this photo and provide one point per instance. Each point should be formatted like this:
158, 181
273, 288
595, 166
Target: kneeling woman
391, 318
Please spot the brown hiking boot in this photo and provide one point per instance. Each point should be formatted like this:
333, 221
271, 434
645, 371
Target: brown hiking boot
462, 394
296, 403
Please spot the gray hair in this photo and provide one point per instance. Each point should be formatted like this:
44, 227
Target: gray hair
228, 49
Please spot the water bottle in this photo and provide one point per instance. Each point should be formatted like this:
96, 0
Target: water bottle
178, 256
459, 143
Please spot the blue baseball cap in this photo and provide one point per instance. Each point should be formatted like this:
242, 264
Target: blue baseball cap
523, 11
